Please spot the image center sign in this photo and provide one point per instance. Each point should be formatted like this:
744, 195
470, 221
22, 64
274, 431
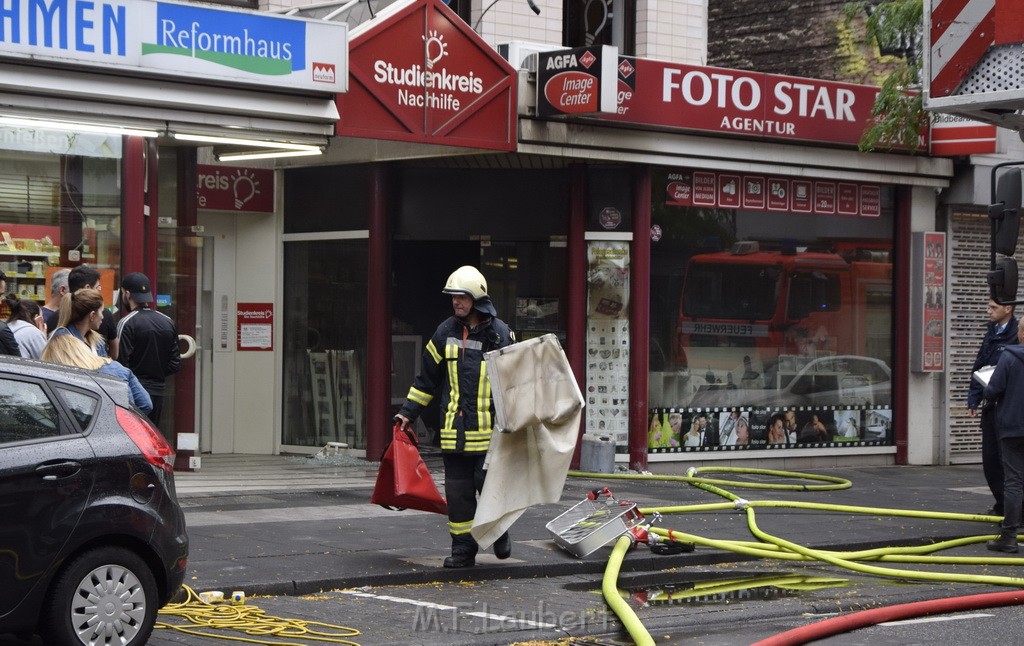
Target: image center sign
577, 81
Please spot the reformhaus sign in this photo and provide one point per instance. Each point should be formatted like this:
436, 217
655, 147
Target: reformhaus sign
178, 40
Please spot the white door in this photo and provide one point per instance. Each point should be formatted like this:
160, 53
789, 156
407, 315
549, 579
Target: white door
214, 311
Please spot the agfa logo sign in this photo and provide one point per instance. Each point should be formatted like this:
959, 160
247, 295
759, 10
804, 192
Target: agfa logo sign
577, 81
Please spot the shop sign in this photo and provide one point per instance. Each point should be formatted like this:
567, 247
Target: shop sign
956, 135
231, 188
759, 193
577, 81
255, 326
928, 307
419, 73
741, 103
179, 40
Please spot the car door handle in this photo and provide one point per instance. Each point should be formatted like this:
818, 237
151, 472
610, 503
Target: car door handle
51, 472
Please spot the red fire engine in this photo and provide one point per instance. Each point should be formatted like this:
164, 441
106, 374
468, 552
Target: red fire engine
745, 306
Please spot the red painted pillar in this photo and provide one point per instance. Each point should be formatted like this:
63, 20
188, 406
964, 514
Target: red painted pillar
576, 307
639, 314
133, 195
185, 294
378, 318
901, 326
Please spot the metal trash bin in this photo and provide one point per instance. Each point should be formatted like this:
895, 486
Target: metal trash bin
597, 454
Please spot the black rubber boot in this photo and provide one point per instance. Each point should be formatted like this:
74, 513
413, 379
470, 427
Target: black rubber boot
503, 546
460, 559
1007, 542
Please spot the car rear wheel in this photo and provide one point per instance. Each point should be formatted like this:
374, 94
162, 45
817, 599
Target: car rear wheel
103, 597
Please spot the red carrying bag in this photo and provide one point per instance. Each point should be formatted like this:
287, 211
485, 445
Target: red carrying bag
403, 481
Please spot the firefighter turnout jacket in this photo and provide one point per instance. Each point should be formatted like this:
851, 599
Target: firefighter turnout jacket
453, 364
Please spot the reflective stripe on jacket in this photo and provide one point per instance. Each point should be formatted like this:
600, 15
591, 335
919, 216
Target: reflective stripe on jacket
454, 366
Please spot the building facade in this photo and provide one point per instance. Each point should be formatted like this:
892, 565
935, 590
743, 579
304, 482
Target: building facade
714, 254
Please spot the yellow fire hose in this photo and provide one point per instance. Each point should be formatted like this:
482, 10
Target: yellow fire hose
774, 547
249, 620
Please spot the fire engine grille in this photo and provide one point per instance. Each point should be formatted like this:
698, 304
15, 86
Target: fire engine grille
1000, 70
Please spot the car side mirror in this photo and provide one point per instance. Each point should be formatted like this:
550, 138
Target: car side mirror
1002, 281
1005, 212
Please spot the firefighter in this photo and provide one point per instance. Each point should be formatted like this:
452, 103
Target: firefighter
453, 366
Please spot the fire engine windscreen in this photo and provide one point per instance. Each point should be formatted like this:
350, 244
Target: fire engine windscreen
742, 292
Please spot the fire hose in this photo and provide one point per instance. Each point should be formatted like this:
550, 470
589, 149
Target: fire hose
773, 547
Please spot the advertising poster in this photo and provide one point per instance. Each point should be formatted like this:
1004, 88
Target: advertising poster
928, 301
608, 340
679, 430
687, 187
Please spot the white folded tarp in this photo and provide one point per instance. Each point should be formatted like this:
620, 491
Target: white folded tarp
538, 407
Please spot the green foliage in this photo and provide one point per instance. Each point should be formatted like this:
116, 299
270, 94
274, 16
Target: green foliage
898, 116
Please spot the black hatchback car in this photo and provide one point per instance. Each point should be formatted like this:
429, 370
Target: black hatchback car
92, 539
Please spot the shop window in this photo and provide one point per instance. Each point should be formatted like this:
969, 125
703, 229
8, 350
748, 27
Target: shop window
60, 199
325, 342
768, 311
600, 22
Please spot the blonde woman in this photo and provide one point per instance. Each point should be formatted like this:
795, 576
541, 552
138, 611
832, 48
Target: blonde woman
81, 313
68, 350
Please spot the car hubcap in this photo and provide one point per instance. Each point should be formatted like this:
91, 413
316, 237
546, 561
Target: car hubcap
108, 607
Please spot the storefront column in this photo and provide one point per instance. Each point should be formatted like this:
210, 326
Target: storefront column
184, 297
576, 314
151, 206
378, 318
639, 315
133, 200
901, 322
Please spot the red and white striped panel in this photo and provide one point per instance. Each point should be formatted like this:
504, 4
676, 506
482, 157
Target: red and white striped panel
961, 32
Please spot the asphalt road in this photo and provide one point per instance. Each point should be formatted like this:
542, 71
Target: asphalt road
720, 605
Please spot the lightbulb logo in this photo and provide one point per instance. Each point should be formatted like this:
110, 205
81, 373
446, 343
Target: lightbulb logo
245, 187
436, 48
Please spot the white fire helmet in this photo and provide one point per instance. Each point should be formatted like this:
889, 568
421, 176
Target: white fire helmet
466, 280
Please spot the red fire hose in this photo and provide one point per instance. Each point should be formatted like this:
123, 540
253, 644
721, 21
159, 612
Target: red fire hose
853, 621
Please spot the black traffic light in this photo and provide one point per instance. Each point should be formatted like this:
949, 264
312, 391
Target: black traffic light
1005, 212
1002, 281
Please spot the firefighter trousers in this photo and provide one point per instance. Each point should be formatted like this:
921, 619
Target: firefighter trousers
463, 480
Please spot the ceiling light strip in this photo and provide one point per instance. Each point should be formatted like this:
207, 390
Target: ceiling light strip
74, 126
211, 139
267, 154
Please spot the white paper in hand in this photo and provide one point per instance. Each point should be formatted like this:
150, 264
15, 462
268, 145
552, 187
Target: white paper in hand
982, 375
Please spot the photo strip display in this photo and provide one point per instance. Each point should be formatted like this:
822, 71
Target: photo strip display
679, 430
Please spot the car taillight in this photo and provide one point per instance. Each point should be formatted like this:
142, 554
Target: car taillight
149, 440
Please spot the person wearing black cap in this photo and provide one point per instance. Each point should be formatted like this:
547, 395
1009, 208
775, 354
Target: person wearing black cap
453, 366
148, 340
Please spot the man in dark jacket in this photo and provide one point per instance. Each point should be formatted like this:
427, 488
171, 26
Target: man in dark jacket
147, 341
1000, 332
1006, 389
453, 366
8, 344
